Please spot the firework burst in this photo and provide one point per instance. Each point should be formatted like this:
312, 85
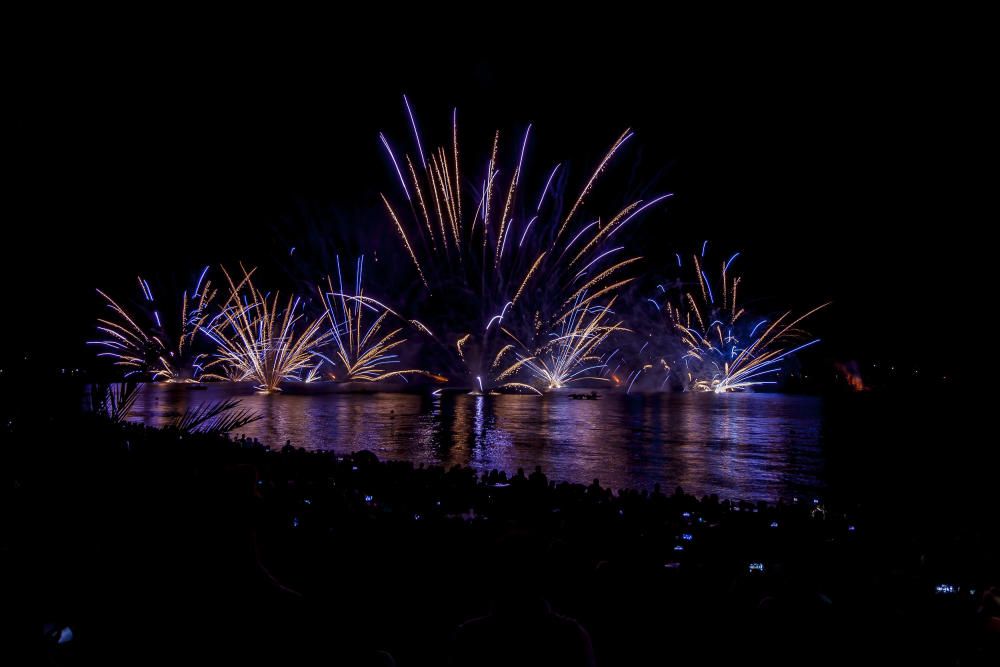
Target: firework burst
261, 338
501, 267
724, 348
572, 353
140, 342
364, 335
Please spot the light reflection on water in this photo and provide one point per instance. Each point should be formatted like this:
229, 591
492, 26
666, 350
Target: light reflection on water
752, 446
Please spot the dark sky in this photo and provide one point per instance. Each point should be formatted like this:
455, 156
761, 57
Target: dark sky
843, 164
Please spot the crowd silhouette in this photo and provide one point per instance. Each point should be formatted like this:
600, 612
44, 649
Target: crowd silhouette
128, 545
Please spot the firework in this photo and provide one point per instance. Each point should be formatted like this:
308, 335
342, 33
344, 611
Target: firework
364, 335
501, 267
572, 353
257, 337
724, 348
140, 342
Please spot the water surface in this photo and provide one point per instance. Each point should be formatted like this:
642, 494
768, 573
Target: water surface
752, 446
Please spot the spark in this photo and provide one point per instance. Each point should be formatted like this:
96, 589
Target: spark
140, 342
642, 208
572, 352
728, 355
541, 199
257, 336
388, 149
416, 132
362, 351
479, 272
526, 228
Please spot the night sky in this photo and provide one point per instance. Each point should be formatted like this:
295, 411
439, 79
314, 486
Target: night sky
840, 164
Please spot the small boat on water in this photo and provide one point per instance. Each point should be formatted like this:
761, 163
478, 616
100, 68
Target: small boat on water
592, 396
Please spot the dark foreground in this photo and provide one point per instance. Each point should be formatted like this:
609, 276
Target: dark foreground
135, 546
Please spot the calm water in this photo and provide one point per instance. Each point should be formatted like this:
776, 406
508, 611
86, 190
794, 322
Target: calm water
752, 446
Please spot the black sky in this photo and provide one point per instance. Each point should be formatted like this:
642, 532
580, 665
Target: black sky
845, 164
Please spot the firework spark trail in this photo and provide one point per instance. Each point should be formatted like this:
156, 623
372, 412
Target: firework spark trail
362, 352
626, 135
475, 278
168, 356
510, 198
406, 241
725, 354
605, 230
572, 353
257, 338
392, 156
